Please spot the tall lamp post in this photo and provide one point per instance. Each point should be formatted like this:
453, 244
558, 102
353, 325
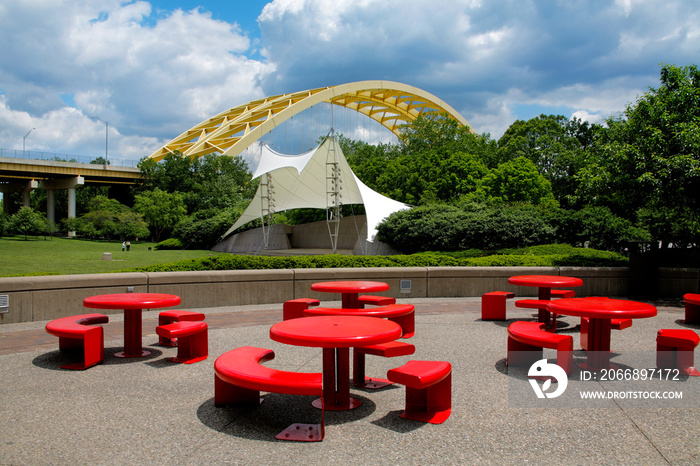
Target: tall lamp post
106, 123
24, 142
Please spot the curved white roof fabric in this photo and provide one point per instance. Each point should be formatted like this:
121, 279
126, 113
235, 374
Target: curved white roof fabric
300, 182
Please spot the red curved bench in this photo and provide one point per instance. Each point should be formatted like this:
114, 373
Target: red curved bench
239, 377
168, 317
526, 340
81, 332
192, 337
402, 314
428, 390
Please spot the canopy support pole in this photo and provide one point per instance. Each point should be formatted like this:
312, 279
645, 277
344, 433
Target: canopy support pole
333, 196
267, 208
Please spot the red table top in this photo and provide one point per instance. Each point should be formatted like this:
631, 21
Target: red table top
350, 286
545, 280
692, 298
335, 331
602, 308
131, 301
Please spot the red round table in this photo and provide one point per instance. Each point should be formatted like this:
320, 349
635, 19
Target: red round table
545, 283
132, 303
600, 311
336, 335
350, 290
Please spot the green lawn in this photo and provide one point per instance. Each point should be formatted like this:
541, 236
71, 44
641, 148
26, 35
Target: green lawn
76, 256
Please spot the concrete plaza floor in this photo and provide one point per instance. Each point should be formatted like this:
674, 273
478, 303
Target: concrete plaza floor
151, 411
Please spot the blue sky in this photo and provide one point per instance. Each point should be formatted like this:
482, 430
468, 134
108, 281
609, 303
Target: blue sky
154, 69
242, 12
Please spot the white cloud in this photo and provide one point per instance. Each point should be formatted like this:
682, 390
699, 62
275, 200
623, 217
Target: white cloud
154, 73
150, 77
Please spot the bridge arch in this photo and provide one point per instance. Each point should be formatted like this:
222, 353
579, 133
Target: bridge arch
392, 104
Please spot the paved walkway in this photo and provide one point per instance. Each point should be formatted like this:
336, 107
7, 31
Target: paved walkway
151, 411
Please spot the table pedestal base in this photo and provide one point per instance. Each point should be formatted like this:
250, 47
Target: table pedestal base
351, 404
375, 383
590, 367
122, 354
690, 371
302, 433
598, 345
133, 331
336, 381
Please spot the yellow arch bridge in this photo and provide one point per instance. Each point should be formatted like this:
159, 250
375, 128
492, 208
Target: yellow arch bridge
229, 133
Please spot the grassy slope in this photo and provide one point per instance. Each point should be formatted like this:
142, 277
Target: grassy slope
75, 256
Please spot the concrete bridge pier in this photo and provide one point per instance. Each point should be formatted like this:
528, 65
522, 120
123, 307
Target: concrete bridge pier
64, 183
25, 188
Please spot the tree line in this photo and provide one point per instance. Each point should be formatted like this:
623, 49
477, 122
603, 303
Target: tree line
636, 177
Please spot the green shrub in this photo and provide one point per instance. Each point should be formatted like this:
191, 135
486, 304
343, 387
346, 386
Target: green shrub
450, 228
171, 243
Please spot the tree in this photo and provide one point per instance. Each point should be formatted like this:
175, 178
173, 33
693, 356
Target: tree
161, 210
211, 181
4, 223
220, 182
555, 144
173, 174
108, 218
649, 159
100, 161
518, 181
27, 222
443, 134
131, 225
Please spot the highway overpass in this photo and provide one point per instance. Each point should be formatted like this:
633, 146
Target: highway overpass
24, 175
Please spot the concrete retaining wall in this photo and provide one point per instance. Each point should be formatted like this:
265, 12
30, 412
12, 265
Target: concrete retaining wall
49, 297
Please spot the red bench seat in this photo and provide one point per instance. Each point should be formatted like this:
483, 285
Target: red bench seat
561, 294
428, 390
80, 332
193, 340
391, 349
543, 315
692, 308
675, 349
168, 317
493, 304
294, 308
374, 300
527, 339
615, 324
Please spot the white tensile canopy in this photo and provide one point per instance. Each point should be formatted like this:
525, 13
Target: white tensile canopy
300, 182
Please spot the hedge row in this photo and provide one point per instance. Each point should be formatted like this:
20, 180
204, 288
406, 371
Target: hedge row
542, 256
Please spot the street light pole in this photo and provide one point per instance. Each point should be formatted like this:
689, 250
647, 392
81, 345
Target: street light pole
106, 123
24, 142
